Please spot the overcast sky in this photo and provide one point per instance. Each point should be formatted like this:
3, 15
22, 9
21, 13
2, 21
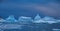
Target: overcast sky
30, 8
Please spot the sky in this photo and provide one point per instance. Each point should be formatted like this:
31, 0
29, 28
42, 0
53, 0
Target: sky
30, 8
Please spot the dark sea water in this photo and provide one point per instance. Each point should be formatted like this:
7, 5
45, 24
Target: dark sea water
36, 27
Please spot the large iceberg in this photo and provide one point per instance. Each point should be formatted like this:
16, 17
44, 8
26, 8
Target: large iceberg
46, 19
11, 18
37, 17
49, 20
24, 19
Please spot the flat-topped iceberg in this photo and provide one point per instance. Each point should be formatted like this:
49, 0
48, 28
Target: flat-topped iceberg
47, 18
24, 19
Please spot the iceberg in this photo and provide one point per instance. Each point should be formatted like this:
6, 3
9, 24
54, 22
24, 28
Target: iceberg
24, 19
37, 17
11, 19
51, 22
2, 20
47, 18
40, 21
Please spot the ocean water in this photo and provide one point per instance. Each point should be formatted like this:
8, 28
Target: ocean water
31, 27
